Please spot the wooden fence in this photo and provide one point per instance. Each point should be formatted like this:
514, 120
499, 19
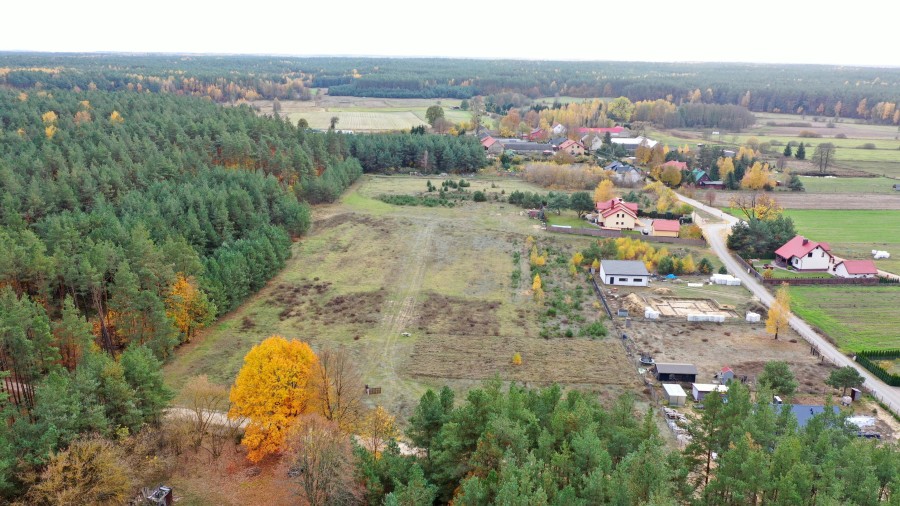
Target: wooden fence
596, 232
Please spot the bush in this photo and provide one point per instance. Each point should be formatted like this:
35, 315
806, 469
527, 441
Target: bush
808, 134
723, 270
479, 196
868, 145
595, 330
840, 136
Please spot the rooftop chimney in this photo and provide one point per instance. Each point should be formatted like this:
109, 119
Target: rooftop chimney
805, 241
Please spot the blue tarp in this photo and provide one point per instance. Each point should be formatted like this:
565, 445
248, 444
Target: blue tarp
671, 276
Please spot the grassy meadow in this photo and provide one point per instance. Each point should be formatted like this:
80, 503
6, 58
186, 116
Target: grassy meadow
855, 317
369, 272
854, 233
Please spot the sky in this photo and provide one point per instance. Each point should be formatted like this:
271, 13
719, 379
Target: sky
761, 31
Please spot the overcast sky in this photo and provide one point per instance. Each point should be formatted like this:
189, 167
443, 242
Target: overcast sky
861, 32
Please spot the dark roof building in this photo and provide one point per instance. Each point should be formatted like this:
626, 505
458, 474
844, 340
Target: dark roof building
676, 372
804, 412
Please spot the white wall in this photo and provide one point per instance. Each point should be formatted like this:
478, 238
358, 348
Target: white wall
629, 280
841, 271
819, 261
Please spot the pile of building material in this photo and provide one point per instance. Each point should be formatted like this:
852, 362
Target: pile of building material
753, 317
650, 314
706, 318
725, 279
880, 254
695, 285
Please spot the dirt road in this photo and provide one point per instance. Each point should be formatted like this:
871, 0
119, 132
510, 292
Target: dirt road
716, 233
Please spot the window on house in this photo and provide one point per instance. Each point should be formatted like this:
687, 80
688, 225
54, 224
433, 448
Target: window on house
810, 254
637, 280
623, 279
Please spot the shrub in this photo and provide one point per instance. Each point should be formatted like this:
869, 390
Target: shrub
723, 270
595, 330
868, 145
517, 359
840, 136
479, 196
808, 134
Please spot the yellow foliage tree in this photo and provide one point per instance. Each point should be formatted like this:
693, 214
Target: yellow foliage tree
517, 359
758, 177
687, 264
272, 389
50, 131
115, 117
595, 265
537, 260
671, 176
49, 118
726, 166
779, 311
82, 117
577, 258
378, 427
188, 306
537, 288
604, 191
23, 96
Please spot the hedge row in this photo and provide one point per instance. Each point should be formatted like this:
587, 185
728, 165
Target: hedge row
865, 358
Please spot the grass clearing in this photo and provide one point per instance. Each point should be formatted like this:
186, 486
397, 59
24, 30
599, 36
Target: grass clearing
855, 317
853, 234
814, 184
369, 272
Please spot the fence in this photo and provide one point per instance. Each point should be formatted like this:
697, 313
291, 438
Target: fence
596, 232
803, 281
599, 293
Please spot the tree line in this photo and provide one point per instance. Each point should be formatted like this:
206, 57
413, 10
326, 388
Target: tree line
426, 153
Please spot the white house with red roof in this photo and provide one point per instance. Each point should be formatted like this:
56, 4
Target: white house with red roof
574, 148
616, 214
855, 269
805, 255
675, 163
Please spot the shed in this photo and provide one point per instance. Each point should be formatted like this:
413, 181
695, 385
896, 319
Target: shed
726, 375
624, 272
675, 395
700, 390
686, 373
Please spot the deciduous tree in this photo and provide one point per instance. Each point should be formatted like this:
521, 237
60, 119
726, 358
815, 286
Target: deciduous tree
273, 388
89, 470
604, 191
189, 307
823, 156
320, 462
779, 311
377, 428
339, 388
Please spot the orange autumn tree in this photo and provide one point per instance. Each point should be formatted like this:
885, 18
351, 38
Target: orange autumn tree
188, 306
273, 388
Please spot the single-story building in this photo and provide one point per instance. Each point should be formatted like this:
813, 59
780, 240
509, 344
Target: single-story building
492, 146
715, 185
700, 390
675, 395
805, 255
804, 412
726, 375
699, 176
624, 272
684, 373
665, 228
526, 148
855, 269
632, 143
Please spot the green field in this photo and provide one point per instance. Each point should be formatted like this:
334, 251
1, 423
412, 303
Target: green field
855, 317
853, 234
814, 184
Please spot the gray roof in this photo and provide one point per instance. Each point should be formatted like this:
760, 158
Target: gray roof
526, 146
804, 412
676, 368
624, 267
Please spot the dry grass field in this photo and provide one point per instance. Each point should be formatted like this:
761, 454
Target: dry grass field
370, 272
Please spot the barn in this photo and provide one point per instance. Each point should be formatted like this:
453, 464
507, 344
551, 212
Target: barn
675, 395
686, 373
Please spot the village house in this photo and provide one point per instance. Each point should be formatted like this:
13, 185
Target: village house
624, 272
492, 146
855, 269
675, 163
804, 255
571, 147
686, 373
558, 129
699, 176
616, 131
624, 174
536, 135
700, 390
616, 214
665, 228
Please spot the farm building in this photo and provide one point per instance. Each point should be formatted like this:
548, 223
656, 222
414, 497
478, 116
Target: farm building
526, 148
699, 176
616, 131
855, 269
665, 228
631, 144
700, 390
624, 272
492, 146
686, 373
804, 412
717, 185
574, 148
804, 255
675, 395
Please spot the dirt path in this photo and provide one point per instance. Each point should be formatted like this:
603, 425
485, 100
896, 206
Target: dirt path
716, 234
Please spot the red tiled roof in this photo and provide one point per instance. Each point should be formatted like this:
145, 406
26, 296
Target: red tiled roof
488, 141
727, 369
613, 203
859, 266
566, 144
796, 248
612, 130
676, 164
666, 225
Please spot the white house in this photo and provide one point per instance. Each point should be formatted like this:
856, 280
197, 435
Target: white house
631, 143
855, 269
624, 272
805, 255
701, 390
558, 129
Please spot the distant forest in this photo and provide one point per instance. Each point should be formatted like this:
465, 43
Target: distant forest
834, 91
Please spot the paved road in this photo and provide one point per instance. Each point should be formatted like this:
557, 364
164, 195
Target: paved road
715, 233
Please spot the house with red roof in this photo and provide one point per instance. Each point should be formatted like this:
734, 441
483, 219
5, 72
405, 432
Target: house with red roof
536, 135
574, 148
805, 255
675, 163
616, 214
665, 228
855, 269
615, 131
492, 146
